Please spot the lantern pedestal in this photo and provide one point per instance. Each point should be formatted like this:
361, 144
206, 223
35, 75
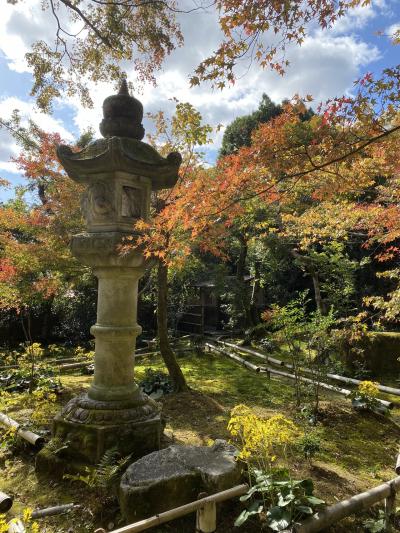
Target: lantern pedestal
114, 413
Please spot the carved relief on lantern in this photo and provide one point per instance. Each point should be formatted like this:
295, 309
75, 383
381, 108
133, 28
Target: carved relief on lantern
97, 203
115, 203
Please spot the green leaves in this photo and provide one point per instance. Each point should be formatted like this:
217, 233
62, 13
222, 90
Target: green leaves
255, 508
283, 502
278, 519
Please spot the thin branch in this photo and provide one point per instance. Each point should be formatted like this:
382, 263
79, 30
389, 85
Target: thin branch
102, 37
142, 3
16, 133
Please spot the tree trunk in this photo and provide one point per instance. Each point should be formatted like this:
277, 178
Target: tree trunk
254, 294
241, 263
308, 266
243, 296
317, 292
167, 353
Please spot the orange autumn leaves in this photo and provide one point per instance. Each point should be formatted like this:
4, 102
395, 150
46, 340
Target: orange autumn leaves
34, 254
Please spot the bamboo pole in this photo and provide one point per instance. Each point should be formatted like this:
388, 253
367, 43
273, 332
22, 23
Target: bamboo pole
73, 366
57, 509
141, 350
355, 504
383, 388
71, 360
32, 438
323, 385
334, 388
180, 511
235, 357
260, 355
64, 360
335, 377
5, 502
145, 354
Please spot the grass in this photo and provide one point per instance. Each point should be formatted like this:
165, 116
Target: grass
358, 450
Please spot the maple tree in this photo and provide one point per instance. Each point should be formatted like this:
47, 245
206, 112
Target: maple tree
35, 263
316, 173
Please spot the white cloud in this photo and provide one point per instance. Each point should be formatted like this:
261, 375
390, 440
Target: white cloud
391, 30
8, 146
325, 66
24, 23
9, 166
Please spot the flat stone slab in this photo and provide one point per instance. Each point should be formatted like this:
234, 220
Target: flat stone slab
174, 476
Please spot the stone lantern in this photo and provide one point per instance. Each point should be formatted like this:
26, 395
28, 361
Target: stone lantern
118, 172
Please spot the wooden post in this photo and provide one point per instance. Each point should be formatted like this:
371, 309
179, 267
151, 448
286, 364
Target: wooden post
206, 516
397, 467
390, 502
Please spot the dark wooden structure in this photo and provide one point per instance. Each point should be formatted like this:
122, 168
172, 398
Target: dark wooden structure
204, 313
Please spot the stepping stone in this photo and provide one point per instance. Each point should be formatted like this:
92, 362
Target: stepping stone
175, 476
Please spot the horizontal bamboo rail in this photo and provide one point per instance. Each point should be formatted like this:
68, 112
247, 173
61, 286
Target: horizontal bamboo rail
323, 385
353, 381
260, 355
183, 510
269, 371
235, 357
355, 504
334, 377
29, 436
74, 366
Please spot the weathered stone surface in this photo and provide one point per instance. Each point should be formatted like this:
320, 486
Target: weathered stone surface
85, 444
174, 476
119, 173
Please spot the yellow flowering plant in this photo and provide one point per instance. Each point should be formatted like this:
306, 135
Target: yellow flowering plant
29, 525
259, 439
3, 524
365, 397
43, 405
263, 444
369, 389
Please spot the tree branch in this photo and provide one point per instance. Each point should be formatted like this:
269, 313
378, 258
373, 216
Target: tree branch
82, 15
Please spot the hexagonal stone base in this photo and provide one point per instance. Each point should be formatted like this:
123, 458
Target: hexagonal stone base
76, 445
82, 444
174, 476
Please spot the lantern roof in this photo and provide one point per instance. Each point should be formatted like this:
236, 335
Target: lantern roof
121, 149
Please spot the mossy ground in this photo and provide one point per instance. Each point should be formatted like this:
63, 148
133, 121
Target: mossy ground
358, 449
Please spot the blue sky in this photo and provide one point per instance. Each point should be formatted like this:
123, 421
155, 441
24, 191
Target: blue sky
325, 66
